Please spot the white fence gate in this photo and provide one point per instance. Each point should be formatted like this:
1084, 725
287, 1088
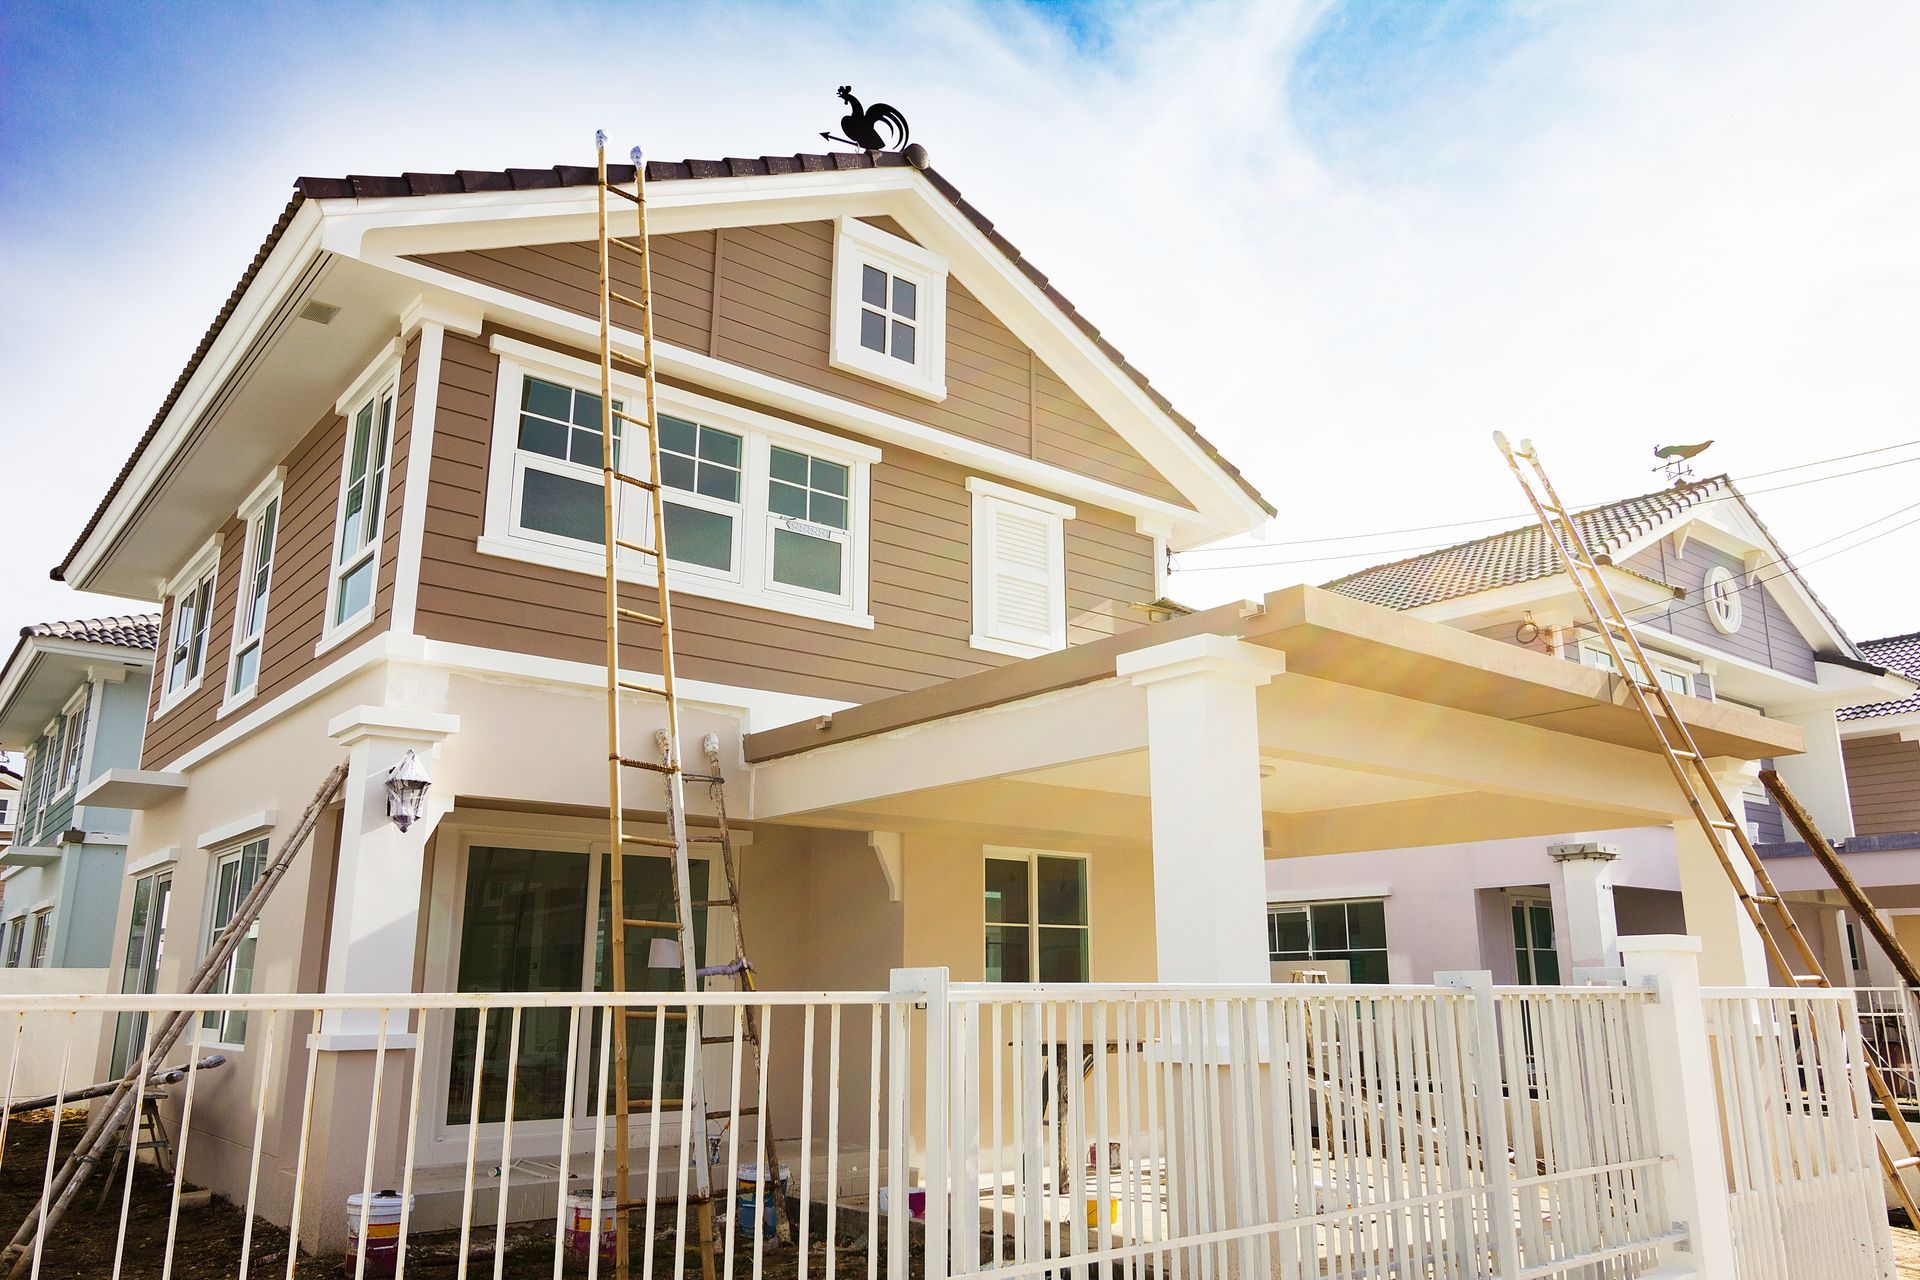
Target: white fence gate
1806, 1194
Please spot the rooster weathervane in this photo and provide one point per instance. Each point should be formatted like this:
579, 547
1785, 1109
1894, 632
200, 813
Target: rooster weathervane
863, 125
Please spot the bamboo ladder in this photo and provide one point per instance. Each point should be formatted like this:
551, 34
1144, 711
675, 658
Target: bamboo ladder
1690, 770
621, 843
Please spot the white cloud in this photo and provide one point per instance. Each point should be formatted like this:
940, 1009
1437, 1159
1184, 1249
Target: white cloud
1638, 224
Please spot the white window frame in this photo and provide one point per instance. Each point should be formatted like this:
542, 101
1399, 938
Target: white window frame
989, 497
73, 739
230, 853
1009, 853
40, 924
267, 494
750, 581
1724, 612
378, 380
1346, 904
203, 569
15, 940
858, 244
1594, 654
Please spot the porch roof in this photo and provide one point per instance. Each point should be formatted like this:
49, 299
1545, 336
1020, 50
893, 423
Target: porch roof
1340, 640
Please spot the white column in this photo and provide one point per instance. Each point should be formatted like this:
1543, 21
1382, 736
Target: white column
1819, 775
1686, 1108
1209, 857
1586, 882
1732, 955
376, 897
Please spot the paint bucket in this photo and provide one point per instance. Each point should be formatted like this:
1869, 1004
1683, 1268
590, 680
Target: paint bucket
383, 1230
1113, 1212
769, 1216
916, 1202
579, 1236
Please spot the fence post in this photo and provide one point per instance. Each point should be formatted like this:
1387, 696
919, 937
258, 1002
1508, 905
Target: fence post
1502, 1229
930, 986
1686, 1103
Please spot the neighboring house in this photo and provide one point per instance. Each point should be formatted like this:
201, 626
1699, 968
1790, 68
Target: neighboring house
1725, 617
919, 512
9, 806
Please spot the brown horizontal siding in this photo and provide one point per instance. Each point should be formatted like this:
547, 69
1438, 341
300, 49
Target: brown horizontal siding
1883, 779
920, 577
760, 297
297, 599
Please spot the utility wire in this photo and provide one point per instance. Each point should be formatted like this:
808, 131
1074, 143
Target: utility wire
1522, 515
1393, 552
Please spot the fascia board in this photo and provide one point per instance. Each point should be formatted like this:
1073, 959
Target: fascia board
777, 393
382, 230
282, 270
1632, 589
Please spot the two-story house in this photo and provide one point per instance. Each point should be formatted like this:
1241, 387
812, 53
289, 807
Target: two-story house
918, 511
9, 808
72, 701
1725, 616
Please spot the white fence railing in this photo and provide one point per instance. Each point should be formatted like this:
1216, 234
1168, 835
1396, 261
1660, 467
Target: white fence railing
1890, 1026
988, 1131
1806, 1194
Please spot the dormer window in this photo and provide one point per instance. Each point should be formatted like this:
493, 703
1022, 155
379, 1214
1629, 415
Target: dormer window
889, 309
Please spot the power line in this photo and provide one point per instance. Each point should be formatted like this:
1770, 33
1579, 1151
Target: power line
1389, 552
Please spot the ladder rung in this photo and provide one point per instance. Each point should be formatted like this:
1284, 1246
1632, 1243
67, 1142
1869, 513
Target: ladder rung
636, 616
723, 1114
703, 777
637, 250
728, 903
627, 417
706, 839
1906, 1162
634, 687
617, 296
648, 1104
624, 545
635, 481
1723, 824
1765, 899
651, 766
671, 1015
716, 1039
1682, 753
1808, 980
649, 924
622, 192
652, 842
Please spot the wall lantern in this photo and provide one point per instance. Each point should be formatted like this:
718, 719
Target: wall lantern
407, 784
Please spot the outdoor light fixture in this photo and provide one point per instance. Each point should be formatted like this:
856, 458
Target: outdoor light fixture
407, 784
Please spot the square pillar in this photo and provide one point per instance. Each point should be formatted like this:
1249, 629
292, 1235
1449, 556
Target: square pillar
1209, 852
1732, 954
1586, 882
376, 897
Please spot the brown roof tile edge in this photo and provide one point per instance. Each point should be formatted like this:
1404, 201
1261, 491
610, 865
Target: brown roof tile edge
474, 180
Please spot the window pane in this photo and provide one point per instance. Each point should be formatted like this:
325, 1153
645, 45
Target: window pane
785, 464
562, 506
829, 511
537, 435
1519, 925
699, 537
903, 341
1063, 955
1367, 924
362, 433
1006, 892
246, 668
722, 447
1007, 954
545, 398
1542, 925
585, 448
676, 472
350, 524
1546, 968
1287, 931
1062, 890
648, 891
719, 482
586, 410
873, 331
786, 500
800, 560
1367, 966
678, 435
873, 286
356, 590
829, 477
1329, 927
906, 298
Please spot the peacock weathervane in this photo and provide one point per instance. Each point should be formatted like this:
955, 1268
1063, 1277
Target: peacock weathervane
863, 124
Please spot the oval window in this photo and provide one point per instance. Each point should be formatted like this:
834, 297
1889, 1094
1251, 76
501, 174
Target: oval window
1723, 600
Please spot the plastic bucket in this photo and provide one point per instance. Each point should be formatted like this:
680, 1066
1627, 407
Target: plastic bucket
383, 1230
769, 1216
579, 1236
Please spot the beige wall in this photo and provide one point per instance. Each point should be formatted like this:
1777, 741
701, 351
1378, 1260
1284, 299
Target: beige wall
1883, 779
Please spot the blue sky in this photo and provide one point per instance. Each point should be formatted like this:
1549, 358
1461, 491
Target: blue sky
1347, 239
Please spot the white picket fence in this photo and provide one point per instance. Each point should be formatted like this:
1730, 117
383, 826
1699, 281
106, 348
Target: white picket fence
1445, 1131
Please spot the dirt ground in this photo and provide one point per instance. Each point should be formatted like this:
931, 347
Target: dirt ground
207, 1238
1906, 1253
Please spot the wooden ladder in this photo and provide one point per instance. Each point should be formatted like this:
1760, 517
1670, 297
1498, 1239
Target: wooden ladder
1709, 804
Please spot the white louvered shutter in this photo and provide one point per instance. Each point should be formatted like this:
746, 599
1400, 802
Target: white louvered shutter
1022, 576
